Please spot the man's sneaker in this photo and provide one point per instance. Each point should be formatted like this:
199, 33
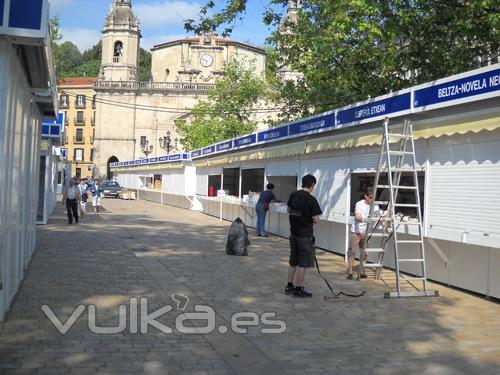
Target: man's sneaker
300, 292
363, 276
349, 277
290, 288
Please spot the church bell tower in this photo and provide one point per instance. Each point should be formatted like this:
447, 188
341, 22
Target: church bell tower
120, 43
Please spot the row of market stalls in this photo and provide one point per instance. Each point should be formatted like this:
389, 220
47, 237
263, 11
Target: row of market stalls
29, 160
456, 124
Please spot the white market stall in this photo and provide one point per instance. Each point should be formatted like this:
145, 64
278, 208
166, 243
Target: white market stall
456, 124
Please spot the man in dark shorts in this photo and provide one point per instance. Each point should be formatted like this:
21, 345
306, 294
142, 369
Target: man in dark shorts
304, 211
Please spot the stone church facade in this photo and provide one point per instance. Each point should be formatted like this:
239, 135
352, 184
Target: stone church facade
132, 116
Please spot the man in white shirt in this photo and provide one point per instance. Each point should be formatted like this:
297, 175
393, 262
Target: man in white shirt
71, 196
358, 228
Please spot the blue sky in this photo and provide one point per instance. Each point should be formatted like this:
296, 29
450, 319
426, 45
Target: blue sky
161, 20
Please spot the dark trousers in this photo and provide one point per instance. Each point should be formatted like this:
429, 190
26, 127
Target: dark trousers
261, 219
72, 210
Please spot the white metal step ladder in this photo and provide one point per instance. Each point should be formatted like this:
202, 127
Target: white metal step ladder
393, 163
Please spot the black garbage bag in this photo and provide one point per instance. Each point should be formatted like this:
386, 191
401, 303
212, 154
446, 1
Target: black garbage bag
237, 239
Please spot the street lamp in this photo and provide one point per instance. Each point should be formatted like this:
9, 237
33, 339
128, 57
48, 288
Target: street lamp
166, 142
146, 147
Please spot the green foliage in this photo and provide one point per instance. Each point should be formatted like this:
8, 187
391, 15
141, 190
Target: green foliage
71, 58
144, 65
93, 53
351, 50
227, 112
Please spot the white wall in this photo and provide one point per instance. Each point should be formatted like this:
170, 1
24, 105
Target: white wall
19, 173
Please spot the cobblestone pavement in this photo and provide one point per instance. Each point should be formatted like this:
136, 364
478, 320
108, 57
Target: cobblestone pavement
141, 249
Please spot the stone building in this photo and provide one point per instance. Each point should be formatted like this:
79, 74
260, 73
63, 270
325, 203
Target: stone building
132, 116
76, 100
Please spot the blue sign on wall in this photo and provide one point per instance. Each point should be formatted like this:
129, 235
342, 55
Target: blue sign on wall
377, 108
208, 150
26, 14
224, 146
153, 160
245, 141
312, 125
458, 89
272, 134
195, 154
51, 128
163, 158
174, 157
1, 12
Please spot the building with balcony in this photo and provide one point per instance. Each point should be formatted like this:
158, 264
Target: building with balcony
77, 98
182, 72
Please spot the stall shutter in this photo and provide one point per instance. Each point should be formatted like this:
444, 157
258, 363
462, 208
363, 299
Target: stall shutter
331, 190
283, 168
463, 200
178, 185
201, 181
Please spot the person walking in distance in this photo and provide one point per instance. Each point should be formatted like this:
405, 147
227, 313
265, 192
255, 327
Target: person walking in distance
96, 196
304, 211
83, 196
358, 228
71, 197
262, 207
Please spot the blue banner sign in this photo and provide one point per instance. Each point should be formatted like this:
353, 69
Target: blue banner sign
312, 125
224, 146
374, 109
208, 150
174, 157
195, 154
1, 12
185, 156
458, 89
153, 160
125, 163
245, 141
272, 134
26, 14
144, 161
163, 158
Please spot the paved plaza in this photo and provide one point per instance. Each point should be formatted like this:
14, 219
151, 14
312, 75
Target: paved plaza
144, 250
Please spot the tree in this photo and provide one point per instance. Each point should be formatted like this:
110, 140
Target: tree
144, 65
94, 53
55, 37
351, 50
71, 58
228, 110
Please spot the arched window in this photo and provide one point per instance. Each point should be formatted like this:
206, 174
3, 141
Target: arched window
117, 51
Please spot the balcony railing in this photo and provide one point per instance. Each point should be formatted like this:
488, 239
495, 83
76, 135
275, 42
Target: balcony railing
79, 121
80, 105
78, 140
155, 86
63, 105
